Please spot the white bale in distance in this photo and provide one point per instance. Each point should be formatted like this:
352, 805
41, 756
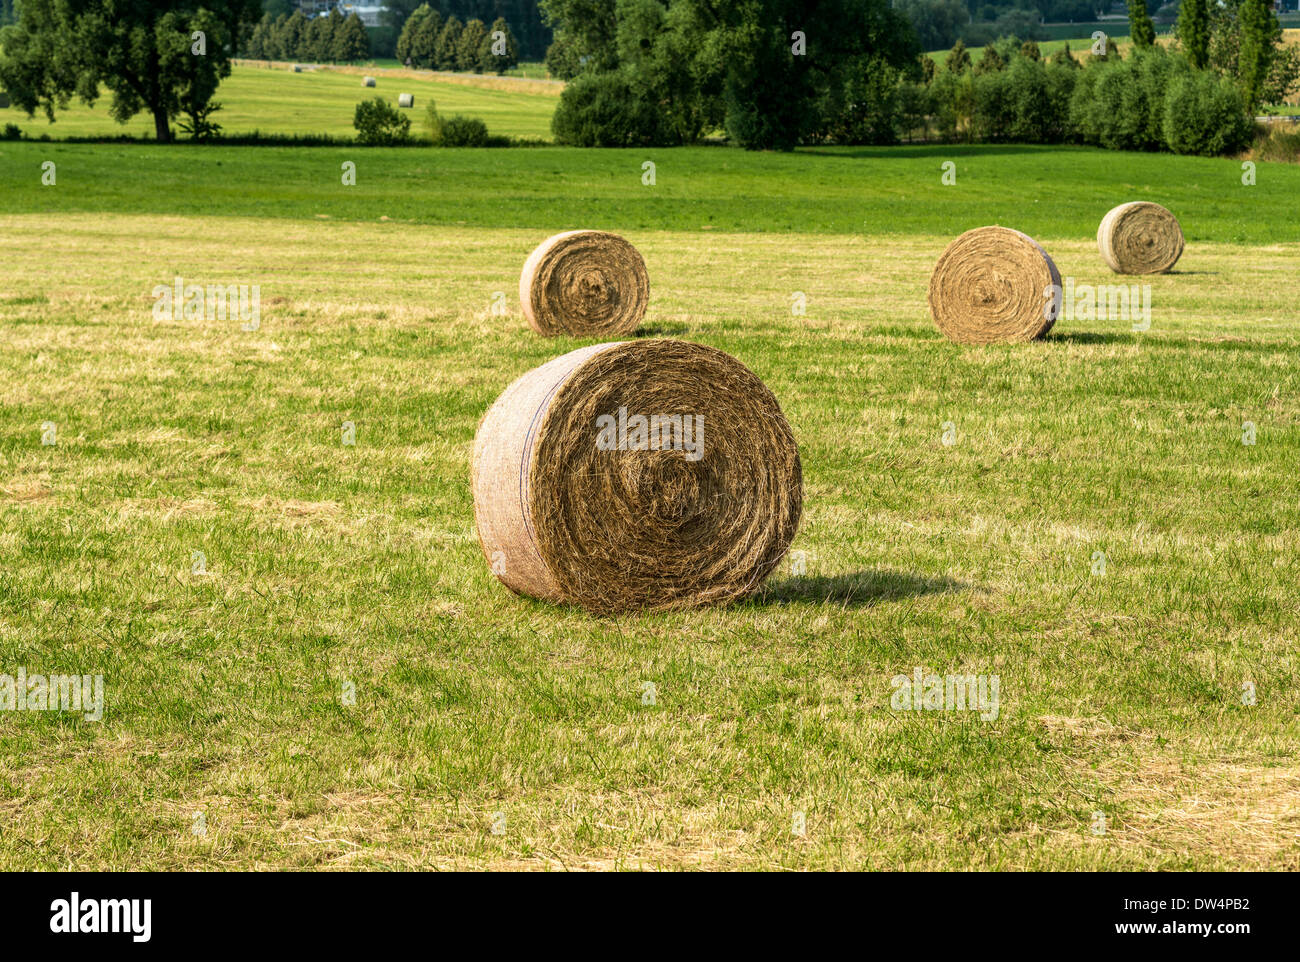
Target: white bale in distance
406, 100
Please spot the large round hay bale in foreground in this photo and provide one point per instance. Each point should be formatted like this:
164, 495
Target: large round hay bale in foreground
994, 284
1140, 238
585, 283
635, 475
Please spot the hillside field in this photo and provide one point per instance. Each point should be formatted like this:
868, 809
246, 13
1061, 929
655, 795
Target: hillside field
275, 100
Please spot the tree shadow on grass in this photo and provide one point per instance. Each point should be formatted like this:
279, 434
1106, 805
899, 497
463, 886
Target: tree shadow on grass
858, 589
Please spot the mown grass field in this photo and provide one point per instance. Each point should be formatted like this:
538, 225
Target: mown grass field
328, 564
276, 100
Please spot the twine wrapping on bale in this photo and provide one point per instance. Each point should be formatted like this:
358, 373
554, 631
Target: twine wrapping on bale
586, 283
406, 100
575, 503
1140, 238
994, 284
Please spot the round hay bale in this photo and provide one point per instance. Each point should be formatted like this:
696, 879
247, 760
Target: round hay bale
994, 284
1140, 238
586, 283
367, 81
406, 100
577, 500
296, 68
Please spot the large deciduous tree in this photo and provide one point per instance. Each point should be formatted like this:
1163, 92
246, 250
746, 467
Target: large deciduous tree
163, 57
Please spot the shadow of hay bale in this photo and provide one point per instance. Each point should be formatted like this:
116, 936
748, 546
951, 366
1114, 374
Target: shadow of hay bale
859, 589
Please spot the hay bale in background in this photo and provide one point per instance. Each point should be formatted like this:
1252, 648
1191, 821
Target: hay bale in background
296, 68
367, 81
993, 284
406, 100
4, 100
1140, 238
587, 283
562, 518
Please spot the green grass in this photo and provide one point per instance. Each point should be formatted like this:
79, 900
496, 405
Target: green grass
1048, 192
322, 102
329, 565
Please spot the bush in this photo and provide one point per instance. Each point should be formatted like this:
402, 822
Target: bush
1206, 115
602, 110
461, 131
455, 131
1033, 110
1278, 141
869, 110
379, 124
914, 108
1120, 104
994, 109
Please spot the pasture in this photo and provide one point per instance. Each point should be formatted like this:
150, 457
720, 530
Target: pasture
490, 731
266, 98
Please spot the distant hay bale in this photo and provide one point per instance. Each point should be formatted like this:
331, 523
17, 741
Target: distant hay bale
406, 100
994, 284
367, 81
585, 283
577, 501
296, 68
1140, 238
4, 100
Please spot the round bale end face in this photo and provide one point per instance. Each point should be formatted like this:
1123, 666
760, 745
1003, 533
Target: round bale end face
636, 475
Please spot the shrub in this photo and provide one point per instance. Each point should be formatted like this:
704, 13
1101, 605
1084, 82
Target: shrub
914, 108
994, 114
1206, 114
1033, 117
461, 131
602, 110
455, 131
380, 124
868, 111
11, 132
1279, 141
1120, 104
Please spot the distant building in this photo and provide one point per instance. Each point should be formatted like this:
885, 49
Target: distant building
371, 14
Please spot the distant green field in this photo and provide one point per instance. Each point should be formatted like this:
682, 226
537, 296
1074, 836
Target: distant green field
318, 102
1052, 192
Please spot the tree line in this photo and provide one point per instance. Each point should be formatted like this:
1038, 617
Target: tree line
427, 41
331, 39
532, 35
773, 74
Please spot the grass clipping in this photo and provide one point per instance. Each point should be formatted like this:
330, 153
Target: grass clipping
574, 502
1140, 238
585, 283
994, 284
